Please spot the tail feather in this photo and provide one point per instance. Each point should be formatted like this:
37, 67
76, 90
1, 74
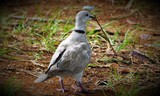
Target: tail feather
48, 75
41, 78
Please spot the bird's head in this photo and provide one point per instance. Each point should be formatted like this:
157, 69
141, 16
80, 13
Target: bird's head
84, 16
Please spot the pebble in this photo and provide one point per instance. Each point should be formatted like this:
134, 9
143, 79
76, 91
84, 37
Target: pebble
89, 8
145, 36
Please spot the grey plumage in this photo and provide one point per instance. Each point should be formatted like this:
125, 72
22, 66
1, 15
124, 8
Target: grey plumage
72, 55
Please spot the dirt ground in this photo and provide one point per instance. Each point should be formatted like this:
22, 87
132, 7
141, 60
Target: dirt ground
27, 71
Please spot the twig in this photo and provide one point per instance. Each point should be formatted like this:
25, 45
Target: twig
28, 72
129, 4
153, 30
124, 16
106, 36
109, 32
38, 19
20, 70
37, 64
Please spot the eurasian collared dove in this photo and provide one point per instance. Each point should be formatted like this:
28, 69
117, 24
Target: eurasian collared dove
72, 55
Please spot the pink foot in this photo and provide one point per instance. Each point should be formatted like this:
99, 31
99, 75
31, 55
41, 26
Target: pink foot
79, 89
62, 90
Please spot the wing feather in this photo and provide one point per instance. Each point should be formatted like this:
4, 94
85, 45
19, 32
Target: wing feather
57, 55
57, 59
75, 58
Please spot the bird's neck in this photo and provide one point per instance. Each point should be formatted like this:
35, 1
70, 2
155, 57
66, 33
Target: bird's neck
80, 25
77, 36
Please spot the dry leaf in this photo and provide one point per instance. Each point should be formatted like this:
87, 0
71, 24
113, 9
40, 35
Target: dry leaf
125, 70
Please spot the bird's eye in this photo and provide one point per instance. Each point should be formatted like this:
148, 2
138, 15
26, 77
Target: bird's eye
86, 14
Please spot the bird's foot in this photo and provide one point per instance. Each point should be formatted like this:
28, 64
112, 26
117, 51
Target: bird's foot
79, 89
62, 86
84, 91
62, 90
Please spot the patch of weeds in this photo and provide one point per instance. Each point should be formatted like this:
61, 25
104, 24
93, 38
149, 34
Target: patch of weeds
124, 86
11, 88
38, 55
129, 39
115, 37
134, 90
47, 41
96, 37
115, 75
104, 26
19, 28
4, 51
129, 86
66, 29
4, 54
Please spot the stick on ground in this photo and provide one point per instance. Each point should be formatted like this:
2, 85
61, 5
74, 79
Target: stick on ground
105, 36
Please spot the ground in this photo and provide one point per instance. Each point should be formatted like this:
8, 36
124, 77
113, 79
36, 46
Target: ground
27, 46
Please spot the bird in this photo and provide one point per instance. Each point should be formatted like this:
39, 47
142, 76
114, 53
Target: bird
72, 55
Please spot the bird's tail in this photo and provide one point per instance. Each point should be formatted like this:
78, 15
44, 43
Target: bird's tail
41, 78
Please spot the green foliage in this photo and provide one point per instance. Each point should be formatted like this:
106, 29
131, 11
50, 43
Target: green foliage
11, 88
47, 40
123, 84
91, 65
115, 75
128, 39
104, 26
37, 55
116, 36
66, 29
132, 91
4, 51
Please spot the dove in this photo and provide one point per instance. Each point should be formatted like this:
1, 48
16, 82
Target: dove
72, 55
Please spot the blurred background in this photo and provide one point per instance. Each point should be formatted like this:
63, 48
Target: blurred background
31, 30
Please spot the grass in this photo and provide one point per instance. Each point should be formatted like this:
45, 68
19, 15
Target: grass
123, 85
128, 39
11, 88
132, 91
4, 51
47, 40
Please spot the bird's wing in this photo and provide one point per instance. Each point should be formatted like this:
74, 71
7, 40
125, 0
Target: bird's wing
57, 55
75, 58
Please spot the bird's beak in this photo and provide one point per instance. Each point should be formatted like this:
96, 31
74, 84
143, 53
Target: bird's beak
92, 17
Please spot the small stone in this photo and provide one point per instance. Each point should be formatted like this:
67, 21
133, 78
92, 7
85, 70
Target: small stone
145, 36
89, 8
17, 72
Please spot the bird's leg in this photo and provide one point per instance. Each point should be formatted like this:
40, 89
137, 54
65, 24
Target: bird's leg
82, 89
62, 86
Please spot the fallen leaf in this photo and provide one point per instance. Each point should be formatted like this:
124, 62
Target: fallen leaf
125, 71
